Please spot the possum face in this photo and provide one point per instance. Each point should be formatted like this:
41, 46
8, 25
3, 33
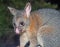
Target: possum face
21, 18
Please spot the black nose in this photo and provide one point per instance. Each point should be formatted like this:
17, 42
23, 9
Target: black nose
22, 23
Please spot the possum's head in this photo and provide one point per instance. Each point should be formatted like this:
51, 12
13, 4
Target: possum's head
21, 18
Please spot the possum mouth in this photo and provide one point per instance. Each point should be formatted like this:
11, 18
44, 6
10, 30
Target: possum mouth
19, 31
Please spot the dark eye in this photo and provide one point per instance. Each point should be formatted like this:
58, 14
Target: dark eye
14, 24
22, 23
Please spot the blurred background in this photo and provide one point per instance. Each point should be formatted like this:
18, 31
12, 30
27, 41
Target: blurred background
7, 36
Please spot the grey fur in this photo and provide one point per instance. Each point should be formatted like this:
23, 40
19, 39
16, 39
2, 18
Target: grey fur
50, 17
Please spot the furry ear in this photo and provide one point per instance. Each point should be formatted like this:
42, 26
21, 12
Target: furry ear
12, 10
28, 9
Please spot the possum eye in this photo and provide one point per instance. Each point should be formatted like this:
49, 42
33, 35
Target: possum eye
14, 24
21, 23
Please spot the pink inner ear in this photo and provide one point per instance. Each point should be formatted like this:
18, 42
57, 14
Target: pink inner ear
17, 31
28, 9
